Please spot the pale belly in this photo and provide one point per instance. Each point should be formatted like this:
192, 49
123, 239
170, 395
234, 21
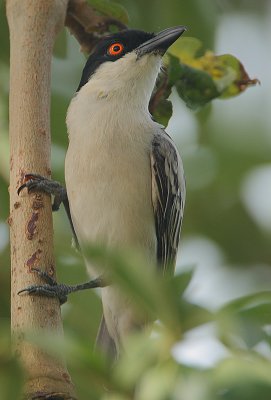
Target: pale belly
110, 199
110, 202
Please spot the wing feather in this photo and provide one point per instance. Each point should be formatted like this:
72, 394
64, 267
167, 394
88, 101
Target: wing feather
168, 198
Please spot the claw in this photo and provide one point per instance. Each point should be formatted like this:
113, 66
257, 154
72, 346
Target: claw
31, 180
46, 291
45, 185
35, 182
21, 188
50, 289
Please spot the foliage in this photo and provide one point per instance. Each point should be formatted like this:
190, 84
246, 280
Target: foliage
200, 78
224, 152
149, 368
111, 9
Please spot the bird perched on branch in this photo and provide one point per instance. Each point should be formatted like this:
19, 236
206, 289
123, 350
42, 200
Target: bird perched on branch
124, 176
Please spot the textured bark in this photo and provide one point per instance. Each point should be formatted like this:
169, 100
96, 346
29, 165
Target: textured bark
33, 26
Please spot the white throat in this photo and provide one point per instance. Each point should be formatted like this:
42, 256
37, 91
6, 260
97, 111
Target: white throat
115, 97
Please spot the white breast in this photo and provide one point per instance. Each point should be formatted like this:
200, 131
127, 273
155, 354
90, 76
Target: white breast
108, 175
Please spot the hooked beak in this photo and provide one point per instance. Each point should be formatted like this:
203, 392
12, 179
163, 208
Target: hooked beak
161, 41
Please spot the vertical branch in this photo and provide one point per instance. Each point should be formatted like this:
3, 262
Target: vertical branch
33, 26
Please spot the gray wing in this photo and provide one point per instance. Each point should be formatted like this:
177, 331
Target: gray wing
168, 198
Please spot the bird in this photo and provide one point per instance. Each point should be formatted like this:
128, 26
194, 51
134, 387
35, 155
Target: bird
125, 185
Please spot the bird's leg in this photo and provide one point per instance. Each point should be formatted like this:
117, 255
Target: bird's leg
59, 290
38, 183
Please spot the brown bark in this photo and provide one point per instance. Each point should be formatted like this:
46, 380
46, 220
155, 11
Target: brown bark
33, 26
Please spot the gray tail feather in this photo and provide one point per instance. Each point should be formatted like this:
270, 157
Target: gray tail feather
104, 341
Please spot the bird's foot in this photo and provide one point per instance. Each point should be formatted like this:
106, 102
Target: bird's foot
59, 290
38, 183
49, 289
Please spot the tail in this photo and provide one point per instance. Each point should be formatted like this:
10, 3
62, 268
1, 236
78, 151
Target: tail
104, 341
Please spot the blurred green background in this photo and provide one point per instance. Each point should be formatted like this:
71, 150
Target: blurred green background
226, 234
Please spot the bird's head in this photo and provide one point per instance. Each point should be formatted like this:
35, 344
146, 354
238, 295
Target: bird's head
127, 62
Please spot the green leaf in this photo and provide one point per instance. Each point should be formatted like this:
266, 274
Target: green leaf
234, 69
259, 314
193, 315
111, 9
138, 344
10, 369
246, 302
241, 370
182, 280
158, 382
252, 321
163, 112
202, 76
152, 293
78, 353
61, 44
4, 35
186, 49
160, 107
245, 318
195, 87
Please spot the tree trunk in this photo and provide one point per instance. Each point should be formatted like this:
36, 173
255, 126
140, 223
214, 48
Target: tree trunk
33, 26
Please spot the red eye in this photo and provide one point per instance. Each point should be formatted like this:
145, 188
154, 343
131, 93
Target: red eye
115, 49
